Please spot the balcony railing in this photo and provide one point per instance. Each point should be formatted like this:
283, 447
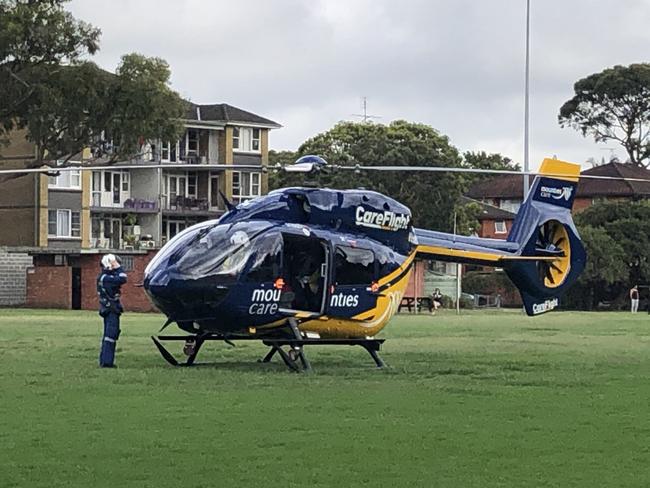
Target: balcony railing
130, 204
186, 203
109, 243
141, 204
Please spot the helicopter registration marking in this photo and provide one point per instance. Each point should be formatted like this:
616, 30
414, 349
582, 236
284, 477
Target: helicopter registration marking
265, 302
381, 220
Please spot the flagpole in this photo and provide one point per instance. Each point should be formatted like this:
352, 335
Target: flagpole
526, 102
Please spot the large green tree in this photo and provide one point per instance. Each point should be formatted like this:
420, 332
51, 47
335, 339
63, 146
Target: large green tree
432, 197
484, 160
614, 105
616, 236
64, 102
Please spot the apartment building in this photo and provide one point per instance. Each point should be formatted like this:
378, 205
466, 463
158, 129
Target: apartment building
139, 208
68, 219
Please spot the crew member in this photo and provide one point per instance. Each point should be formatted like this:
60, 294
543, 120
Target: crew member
109, 282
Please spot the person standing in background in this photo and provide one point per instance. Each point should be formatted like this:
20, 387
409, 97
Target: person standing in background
634, 298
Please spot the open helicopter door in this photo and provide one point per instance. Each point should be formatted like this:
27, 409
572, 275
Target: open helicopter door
305, 265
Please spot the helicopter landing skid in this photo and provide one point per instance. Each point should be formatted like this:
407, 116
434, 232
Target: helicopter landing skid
294, 358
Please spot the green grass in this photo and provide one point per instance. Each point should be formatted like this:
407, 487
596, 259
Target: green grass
481, 400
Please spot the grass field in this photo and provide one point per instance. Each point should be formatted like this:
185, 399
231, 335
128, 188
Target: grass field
481, 400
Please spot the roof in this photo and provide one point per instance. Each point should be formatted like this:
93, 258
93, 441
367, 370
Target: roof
596, 188
489, 212
222, 112
506, 186
511, 186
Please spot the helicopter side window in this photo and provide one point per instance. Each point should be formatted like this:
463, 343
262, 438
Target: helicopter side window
265, 265
354, 266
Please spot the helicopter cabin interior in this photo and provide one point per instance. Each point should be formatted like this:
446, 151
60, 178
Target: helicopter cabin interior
306, 266
304, 272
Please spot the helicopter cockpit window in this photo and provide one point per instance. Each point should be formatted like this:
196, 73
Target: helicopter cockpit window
354, 266
221, 250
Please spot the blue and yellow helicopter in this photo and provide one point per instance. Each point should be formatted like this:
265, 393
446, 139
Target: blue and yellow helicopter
306, 266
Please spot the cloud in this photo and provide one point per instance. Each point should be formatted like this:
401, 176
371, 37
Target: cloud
457, 65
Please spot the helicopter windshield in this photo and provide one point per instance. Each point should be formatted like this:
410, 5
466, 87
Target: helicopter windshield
177, 241
218, 250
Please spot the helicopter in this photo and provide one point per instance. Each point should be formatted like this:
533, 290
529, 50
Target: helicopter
309, 266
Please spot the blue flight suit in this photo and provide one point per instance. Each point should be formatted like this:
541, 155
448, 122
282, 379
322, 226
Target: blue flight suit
109, 283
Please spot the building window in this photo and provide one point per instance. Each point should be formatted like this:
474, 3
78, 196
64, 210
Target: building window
171, 227
255, 140
127, 263
510, 205
168, 152
246, 139
63, 223
191, 185
500, 227
245, 186
235, 137
125, 180
192, 140
66, 179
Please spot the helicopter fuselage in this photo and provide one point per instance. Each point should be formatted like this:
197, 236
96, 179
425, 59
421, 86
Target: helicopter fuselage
336, 261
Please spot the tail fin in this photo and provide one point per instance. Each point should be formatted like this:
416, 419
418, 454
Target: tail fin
544, 227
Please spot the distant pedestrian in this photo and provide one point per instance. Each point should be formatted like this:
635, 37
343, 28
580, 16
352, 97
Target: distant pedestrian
634, 298
109, 282
436, 298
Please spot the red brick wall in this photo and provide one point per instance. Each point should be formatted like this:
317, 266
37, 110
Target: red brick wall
488, 230
581, 203
49, 286
133, 298
415, 287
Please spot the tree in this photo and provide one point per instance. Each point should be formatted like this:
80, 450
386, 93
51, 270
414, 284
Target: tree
483, 160
67, 104
432, 197
616, 236
613, 105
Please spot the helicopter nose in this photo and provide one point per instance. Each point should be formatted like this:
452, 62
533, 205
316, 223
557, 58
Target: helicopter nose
161, 295
185, 299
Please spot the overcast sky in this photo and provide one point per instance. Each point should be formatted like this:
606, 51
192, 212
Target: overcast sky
457, 65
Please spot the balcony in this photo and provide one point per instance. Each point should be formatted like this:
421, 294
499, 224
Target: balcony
188, 206
124, 243
119, 205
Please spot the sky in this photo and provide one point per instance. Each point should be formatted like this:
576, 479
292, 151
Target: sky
456, 65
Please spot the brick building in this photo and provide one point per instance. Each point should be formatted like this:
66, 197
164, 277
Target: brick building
69, 280
494, 222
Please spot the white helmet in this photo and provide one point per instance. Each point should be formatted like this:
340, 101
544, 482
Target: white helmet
107, 261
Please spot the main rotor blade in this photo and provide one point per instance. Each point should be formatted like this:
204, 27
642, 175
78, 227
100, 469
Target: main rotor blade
302, 168
443, 169
98, 167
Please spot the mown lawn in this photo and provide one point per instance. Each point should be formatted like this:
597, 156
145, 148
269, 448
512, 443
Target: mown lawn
481, 400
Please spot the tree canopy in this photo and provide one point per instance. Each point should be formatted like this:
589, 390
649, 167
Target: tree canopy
66, 103
432, 197
616, 236
613, 105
